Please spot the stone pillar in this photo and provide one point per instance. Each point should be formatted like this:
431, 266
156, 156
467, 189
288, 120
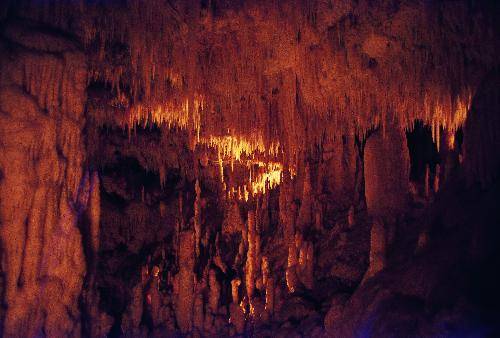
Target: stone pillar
184, 297
386, 163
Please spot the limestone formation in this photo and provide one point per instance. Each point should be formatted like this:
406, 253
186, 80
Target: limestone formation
197, 217
185, 295
251, 266
42, 191
378, 249
305, 217
386, 163
214, 292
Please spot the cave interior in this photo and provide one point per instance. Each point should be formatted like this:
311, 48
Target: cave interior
267, 168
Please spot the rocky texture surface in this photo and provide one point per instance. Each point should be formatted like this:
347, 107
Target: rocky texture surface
43, 189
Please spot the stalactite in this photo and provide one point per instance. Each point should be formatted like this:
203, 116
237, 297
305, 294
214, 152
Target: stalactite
171, 81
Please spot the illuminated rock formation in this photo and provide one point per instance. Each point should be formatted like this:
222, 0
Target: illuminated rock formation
292, 280
237, 309
184, 289
42, 191
250, 265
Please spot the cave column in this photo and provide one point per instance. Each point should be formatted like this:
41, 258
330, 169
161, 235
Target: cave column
386, 168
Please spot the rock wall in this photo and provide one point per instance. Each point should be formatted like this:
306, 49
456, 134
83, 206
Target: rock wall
42, 188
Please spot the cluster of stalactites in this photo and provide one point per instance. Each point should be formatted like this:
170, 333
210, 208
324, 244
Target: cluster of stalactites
278, 71
259, 77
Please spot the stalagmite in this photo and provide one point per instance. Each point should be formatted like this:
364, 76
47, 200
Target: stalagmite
436, 178
153, 296
292, 280
334, 316
197, 217
214, 292
133, 314
427, 189
350, 216
235, 284
270, 296
287, 211
95, 212
305, 212
258, 252
185, 281
378, 248
198, 307
162, 208
236, 310
305, 268
318, 215
250, 266
309, 269
257, 260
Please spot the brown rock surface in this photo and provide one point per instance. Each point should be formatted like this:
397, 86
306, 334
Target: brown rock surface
43, 191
